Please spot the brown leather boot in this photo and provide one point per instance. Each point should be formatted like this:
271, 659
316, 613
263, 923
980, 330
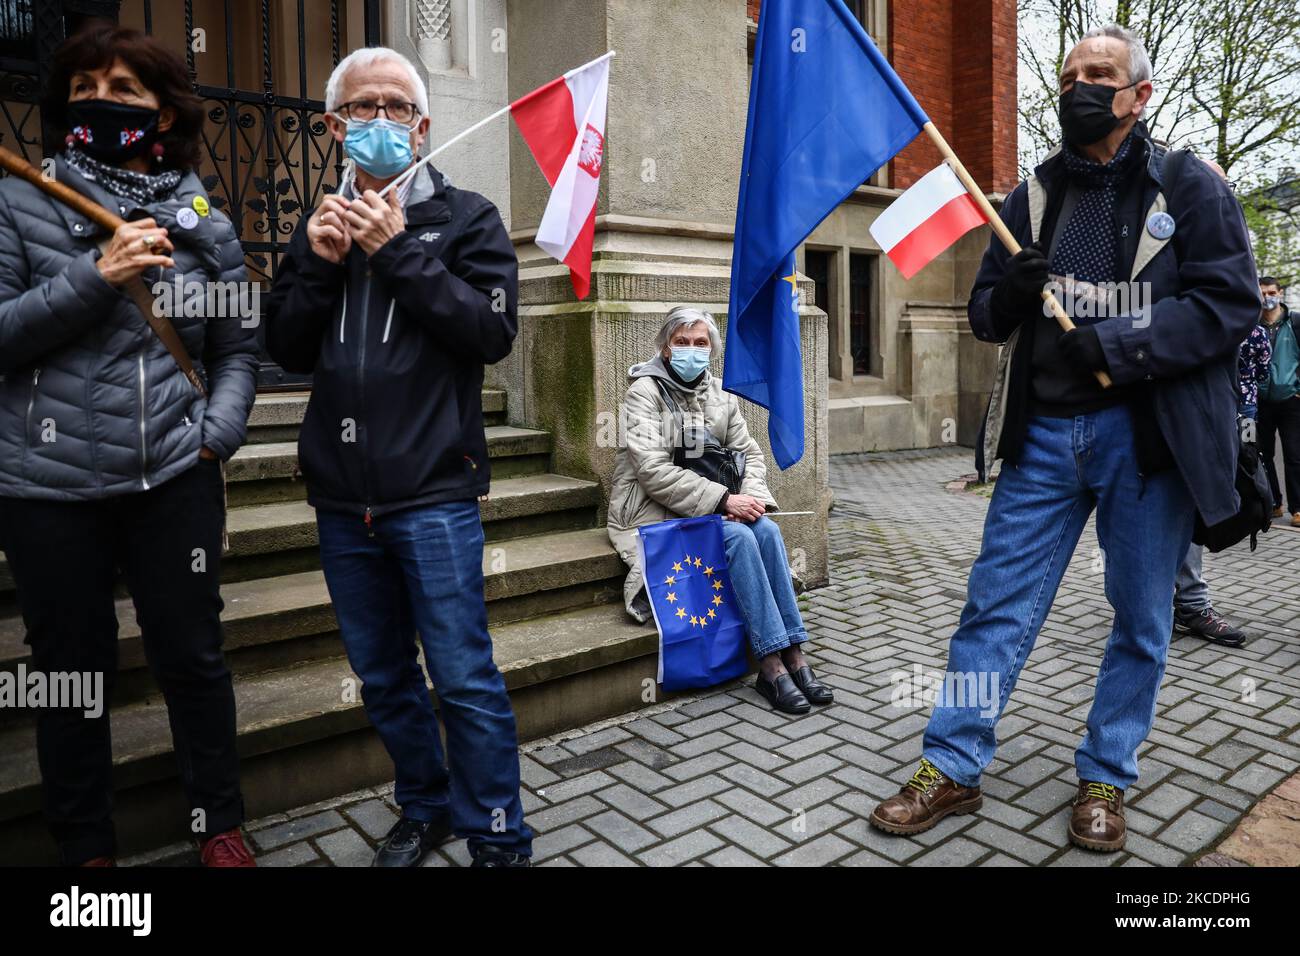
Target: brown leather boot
1097, 820
924, 800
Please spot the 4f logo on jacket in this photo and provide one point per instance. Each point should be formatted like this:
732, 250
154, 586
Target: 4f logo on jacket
430, 236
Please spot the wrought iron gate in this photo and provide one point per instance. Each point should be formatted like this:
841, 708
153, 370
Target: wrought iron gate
259, 67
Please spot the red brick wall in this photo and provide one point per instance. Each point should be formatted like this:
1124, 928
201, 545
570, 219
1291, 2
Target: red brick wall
958, 57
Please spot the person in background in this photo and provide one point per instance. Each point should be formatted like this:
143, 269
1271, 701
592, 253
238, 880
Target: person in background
1279, 399
1194, 612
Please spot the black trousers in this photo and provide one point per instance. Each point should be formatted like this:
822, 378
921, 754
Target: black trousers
1281, 418
64, 557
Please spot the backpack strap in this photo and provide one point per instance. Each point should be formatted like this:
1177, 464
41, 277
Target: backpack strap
674, 410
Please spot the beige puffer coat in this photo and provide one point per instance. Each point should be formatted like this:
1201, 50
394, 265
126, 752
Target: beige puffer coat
648, 487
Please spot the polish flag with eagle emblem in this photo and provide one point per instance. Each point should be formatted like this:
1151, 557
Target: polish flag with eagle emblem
563, 124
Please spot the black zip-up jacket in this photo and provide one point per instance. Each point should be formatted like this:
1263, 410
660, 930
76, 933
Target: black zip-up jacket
396, 345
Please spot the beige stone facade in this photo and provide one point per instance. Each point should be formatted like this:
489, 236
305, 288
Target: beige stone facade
677, 109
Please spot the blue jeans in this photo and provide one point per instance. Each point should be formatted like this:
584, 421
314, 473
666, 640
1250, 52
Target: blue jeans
422, 573
1191, 593
760, 576
1068, 466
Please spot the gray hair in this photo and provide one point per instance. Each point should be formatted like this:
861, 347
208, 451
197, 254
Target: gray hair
684, 315
1139, 64
369, 56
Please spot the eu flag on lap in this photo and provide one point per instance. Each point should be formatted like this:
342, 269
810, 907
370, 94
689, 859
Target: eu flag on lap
826, 111
701, 635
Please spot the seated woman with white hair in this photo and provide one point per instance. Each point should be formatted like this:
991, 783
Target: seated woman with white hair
649, 487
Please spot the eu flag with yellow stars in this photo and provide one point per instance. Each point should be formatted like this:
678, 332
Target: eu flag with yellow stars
826, 110
701, 634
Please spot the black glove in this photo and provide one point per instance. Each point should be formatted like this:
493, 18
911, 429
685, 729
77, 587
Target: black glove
1081, 347
1019, 294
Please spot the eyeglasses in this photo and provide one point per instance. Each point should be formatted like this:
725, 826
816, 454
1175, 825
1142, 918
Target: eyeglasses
365, 110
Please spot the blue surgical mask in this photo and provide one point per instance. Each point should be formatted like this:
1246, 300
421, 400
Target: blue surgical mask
381, 147
689, 362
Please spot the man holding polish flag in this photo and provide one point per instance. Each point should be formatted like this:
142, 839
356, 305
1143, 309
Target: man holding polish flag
563, 123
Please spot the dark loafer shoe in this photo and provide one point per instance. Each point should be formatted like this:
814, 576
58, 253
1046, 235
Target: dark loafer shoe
813, 689
924, 800
783, 694
489, 855
1097, 818
409, 842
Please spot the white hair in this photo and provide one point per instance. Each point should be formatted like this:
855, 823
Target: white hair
685, 315
1139, 64
368, 56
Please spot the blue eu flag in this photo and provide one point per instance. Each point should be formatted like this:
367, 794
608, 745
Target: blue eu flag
826, 111
701, 635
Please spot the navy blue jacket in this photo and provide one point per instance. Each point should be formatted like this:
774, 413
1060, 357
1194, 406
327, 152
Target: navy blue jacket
1204, 300
396, 345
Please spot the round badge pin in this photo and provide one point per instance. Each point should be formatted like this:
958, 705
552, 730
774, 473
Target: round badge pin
200, 205
1161, 225
187, 218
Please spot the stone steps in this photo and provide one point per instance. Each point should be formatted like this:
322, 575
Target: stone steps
276, 416
274, 621
280, 536
553, 586
296, 724
263, 472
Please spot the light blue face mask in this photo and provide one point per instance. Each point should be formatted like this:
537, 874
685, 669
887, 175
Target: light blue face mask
379, 146
689, 362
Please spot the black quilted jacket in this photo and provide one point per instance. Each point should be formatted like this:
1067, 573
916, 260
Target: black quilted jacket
91, 403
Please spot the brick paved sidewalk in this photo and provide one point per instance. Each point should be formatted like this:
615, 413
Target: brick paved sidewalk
722, 780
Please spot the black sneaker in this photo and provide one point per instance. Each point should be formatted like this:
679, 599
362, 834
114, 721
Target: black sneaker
489, 855
1209, 625
409, 842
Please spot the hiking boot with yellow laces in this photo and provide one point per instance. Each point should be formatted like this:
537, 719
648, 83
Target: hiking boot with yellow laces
1097, 819
924, 800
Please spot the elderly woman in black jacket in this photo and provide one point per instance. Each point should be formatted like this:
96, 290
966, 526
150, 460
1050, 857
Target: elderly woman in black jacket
110, 460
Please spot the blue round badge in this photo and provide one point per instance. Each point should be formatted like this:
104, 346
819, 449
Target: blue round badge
1161, 225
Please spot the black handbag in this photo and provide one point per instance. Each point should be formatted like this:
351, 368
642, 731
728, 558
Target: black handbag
699, 451
1255, 514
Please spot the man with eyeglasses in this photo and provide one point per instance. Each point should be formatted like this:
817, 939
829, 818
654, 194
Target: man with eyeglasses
395, 304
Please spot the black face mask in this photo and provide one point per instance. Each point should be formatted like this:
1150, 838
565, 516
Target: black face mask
1087, 112
112, 132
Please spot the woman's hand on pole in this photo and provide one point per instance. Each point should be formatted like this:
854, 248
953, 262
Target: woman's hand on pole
136, 246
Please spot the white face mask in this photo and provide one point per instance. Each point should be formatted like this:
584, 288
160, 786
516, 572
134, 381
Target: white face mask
1271, 302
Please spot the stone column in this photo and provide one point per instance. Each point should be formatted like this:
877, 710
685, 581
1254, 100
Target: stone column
675, 137
461, 48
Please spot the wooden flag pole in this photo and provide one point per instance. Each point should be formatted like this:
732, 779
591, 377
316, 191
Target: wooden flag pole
1000, 228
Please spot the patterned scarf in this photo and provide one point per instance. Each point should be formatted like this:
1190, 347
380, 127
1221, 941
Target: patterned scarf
1089, 246
143, 189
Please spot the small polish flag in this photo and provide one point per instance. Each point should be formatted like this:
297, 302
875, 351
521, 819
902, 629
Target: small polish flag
563, 124
928, 218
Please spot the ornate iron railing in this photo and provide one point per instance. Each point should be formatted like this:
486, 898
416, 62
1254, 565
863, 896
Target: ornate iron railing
260, 69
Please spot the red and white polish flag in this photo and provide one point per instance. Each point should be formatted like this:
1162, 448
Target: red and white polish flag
928, 218
563, 124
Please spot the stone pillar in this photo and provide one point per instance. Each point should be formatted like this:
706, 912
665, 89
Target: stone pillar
675, 137
461, 48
